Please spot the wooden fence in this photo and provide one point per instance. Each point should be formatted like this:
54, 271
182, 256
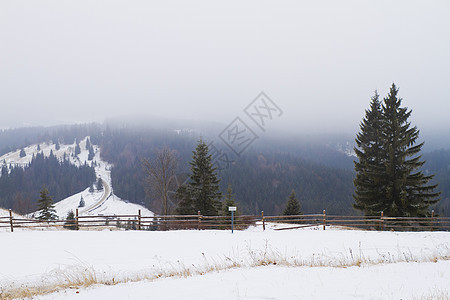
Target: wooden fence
199, 222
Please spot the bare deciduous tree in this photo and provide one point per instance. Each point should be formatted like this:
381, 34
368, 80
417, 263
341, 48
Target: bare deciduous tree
161, 173
22, 204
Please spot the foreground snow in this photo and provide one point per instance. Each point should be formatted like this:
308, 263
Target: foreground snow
399, 281
312, 264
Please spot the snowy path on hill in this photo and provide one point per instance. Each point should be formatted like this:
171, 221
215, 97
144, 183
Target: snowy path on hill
99, 203
106, 194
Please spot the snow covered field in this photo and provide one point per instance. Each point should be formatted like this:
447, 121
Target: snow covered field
189, 264
250, 264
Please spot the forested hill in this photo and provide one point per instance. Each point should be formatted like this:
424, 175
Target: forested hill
261, 181
262, 178
19, 188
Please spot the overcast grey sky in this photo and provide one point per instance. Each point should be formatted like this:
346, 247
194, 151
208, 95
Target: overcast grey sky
320, 61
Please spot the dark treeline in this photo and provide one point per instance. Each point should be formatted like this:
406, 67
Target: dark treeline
20, 188
261, 180
438, 163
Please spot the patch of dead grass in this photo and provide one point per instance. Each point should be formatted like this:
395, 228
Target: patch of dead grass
81, 276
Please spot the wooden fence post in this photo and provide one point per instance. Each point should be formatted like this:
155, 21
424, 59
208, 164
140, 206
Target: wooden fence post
324, 219
199, 220
382, 221
263, 220
11, 220
139, 219
76, 219
432, 219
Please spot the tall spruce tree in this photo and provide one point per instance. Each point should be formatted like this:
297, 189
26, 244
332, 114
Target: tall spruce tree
201, 192
46, 209
293, 207
388, 177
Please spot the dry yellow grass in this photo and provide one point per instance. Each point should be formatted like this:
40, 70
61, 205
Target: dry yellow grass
435, 294
84, 276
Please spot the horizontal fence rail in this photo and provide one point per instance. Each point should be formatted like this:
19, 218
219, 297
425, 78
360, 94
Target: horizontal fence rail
200, 222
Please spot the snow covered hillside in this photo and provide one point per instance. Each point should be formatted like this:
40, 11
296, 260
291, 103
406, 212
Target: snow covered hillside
14, 159
97, 202
209, 264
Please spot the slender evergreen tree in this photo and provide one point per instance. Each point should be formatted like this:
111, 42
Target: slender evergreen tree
45, 206
229, 200
77, 149
88, 143
82, 202
388, 176
201, 193
70, 221
22, 153
91, 153
99, 184
293, 207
